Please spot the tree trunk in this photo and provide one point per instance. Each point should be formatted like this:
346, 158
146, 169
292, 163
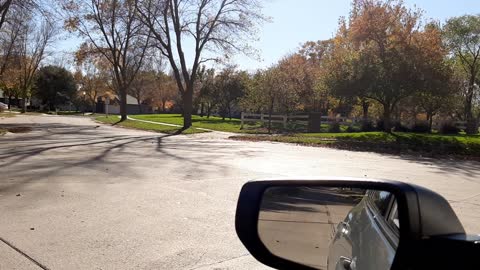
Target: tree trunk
201, 109
139, 106
365, 106
123, 104
430, 121
24, 103
209, 110
9, 102
386, 119
163, 105
472, 127
187, 106
365, 121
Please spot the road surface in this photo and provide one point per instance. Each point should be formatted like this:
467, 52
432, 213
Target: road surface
299, 223
75, 194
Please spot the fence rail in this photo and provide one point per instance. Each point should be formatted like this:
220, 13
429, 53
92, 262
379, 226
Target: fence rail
461, 124
301, 119
458, 124
264, 118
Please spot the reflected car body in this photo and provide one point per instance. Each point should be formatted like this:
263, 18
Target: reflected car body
368, 236
3, 106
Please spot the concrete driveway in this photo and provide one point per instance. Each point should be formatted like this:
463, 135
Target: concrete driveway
78, 195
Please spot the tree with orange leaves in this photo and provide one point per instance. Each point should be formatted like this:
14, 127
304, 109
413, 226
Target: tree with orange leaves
382, 53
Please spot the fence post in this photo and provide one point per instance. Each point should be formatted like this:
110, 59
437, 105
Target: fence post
284, 121
241, 124
314, 122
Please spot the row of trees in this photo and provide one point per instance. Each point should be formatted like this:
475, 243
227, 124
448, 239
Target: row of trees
125, 33
219, 92
384, 57
385, 60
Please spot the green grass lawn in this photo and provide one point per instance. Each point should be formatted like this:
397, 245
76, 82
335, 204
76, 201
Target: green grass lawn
398, 142
213, 123
113, 119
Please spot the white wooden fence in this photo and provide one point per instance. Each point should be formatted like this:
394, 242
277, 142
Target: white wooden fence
264, 118
461, 124
297, 119
303, 120
458, 124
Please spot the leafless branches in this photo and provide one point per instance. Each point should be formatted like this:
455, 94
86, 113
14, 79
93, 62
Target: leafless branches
113, 28
223, 26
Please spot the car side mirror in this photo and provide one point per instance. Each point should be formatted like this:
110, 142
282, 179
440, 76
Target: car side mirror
343, 223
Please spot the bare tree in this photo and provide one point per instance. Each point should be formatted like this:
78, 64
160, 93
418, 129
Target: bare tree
7, 48
14, 13
215, 25
9, 44
35, 38
4, 8
26, 31
113, 28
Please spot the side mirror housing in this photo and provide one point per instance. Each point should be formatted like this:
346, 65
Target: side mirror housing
280, 222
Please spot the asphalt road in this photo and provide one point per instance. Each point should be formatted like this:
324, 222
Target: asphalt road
300, 226
78, 195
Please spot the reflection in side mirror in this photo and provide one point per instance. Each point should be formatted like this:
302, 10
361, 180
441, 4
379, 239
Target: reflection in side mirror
330, 227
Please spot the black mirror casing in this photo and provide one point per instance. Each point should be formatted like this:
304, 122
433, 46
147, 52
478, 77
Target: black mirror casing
426, 221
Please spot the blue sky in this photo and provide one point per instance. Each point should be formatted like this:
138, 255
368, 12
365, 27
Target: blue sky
298, 21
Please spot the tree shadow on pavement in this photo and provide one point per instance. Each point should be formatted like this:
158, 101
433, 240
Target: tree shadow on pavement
306, 199
468, 168
52, 149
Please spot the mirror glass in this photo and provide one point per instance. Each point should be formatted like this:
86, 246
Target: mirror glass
330, 227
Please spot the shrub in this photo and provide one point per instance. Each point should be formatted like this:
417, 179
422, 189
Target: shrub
334, 128
394, 124
380, 125
449, 128
351, 129
399, 127
421, 127
367, 126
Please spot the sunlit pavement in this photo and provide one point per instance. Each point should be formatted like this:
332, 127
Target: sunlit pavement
75, 194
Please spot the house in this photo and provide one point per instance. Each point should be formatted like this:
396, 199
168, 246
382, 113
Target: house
13, 101
114, 105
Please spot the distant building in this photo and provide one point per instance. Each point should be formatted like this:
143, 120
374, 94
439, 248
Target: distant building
13, 101
114, 105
